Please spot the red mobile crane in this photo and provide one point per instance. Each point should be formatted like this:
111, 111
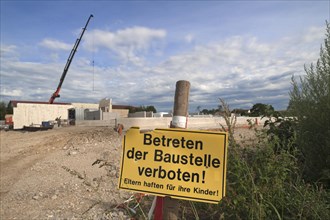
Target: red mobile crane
66, 68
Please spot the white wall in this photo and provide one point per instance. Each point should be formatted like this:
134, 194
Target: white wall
145, 123
121, 112
85, 105
106, 105
193, 123
109, 115
100, 123
141, 114
26, 114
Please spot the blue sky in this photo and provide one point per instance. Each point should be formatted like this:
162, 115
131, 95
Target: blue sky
242, 51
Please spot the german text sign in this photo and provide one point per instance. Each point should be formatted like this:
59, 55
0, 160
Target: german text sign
184, 164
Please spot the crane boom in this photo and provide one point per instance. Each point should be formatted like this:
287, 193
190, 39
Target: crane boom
56, 94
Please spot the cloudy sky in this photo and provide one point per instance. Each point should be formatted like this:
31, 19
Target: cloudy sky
135, 51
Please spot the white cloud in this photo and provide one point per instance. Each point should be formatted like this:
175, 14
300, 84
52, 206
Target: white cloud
129, 44
313, 34
55, 44
11, 93
8, 51
256, 46
54, 56
241, 69
189, 38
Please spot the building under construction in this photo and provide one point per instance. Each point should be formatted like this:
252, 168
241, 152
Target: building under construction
34, 114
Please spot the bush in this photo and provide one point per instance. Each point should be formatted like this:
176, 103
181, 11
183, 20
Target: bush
264, 184
264, 181
282, 132
310, 103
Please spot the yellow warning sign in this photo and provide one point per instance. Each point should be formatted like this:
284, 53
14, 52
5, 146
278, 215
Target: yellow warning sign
184, 164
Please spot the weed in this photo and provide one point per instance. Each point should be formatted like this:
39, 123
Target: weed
265, 181
230, 120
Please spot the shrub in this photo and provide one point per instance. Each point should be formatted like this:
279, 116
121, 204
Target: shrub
282, 132
264, 184
264, 181
310, 103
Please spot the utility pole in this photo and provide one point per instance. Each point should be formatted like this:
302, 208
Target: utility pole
170, 207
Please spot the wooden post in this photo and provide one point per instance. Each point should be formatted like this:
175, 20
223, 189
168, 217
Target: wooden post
179, 120
180, 109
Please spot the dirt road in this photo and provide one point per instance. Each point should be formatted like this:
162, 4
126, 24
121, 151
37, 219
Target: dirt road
49, 174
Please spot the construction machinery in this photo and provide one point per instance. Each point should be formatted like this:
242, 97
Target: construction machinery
56, 94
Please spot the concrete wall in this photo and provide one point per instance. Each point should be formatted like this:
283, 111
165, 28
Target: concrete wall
214, 122
193, 123
162, 114
100, 123
79, 113
150, 114
93, 115
99, 115
109, 115
123, 113
85, 105
106, 105
142, 114
145, 123
26, 114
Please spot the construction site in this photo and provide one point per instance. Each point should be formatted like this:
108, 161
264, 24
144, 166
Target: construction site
61, 160
50, 174
28, 114
33, 116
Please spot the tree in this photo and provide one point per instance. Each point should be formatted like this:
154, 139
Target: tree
208, 111
239, 111
310, 103
3, 110
260, 109
205, 111
148, 108
9, 109
198, 109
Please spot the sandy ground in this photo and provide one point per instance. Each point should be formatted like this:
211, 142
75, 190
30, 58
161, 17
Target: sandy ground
49, 174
